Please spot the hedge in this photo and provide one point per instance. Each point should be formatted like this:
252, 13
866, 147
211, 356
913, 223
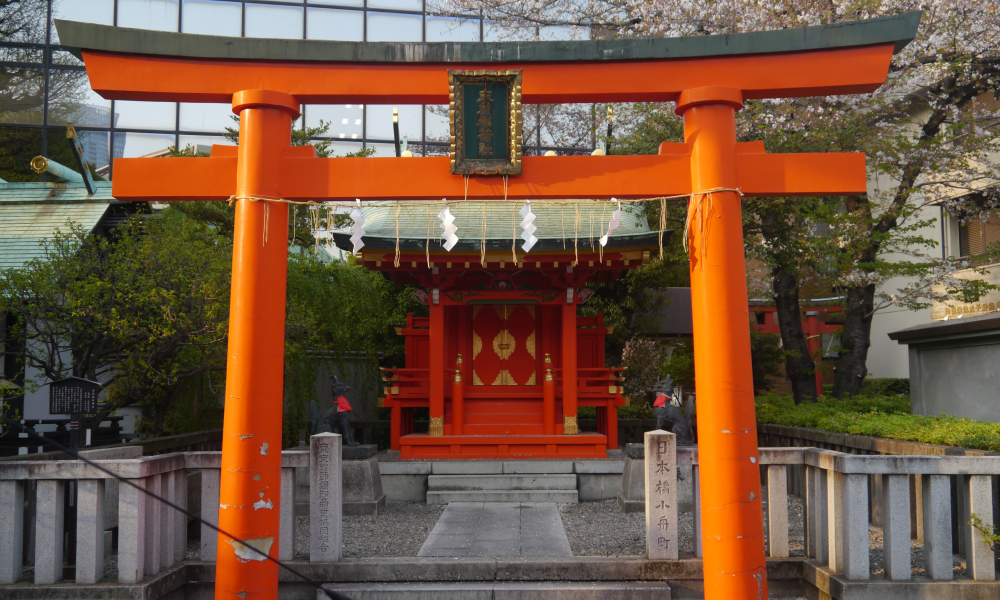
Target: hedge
879, 416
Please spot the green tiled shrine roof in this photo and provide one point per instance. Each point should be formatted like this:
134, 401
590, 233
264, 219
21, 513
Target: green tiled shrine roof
31, 213
555, 223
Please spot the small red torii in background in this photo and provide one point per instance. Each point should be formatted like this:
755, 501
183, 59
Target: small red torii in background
709, 77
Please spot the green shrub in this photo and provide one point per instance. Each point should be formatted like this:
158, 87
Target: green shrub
879, 416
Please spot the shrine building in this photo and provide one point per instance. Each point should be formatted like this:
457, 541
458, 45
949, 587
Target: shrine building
502, 324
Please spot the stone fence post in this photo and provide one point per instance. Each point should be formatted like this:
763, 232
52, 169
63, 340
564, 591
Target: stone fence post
661, 495
325, 498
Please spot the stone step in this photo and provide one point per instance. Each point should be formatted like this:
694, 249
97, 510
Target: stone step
569, 496
585, 590
443, 483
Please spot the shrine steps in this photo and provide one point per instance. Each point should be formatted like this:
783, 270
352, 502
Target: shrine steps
423, 446
534, 487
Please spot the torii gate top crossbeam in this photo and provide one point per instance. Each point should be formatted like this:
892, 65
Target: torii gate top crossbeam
129, 64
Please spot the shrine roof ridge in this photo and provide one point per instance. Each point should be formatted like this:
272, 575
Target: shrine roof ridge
76, 36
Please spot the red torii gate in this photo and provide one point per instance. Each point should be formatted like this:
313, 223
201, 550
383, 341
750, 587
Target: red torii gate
708, 77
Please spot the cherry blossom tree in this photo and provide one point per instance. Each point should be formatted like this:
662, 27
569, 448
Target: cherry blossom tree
931, 135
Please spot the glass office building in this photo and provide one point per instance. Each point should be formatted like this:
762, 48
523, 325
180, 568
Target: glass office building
43, 87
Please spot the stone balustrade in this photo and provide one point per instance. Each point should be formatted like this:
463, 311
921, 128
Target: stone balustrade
836, 496
151, 535
836, 515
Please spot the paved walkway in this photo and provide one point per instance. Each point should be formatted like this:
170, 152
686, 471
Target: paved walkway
498, 529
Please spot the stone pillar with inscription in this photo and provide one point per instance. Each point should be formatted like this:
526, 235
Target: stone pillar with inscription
325, 498
661, 495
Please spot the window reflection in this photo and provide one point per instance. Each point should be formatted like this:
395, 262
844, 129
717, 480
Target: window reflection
70, 99
380, 122
160, 15
447, 29
83, 107
267, 21
212, 17
146, 115
206, 117
22, 95
390, 27
134, 145
332, 24
397, 4
345, 120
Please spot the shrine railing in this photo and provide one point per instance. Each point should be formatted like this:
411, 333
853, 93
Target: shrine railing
595, 386
152, 536
836, 516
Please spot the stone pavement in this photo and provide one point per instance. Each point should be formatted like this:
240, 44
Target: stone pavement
498, 529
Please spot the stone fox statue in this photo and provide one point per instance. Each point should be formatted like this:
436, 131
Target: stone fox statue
665, 413
340, 411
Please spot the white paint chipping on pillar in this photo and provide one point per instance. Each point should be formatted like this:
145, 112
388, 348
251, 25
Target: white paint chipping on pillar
11, 530
209, 512
90, 530
979, 556
49, 513
661, 495
325, 498
896, 527
777, 511
131, 532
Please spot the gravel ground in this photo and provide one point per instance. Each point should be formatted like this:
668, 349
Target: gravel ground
399, 531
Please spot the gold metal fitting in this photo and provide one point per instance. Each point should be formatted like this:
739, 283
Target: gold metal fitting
569, 426
548, 375
459, 361
436, 428
548, 358
458, 376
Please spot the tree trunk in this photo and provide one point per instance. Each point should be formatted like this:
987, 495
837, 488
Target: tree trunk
852, 364
799, 363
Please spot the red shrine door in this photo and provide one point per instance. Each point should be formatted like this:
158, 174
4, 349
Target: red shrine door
503, 345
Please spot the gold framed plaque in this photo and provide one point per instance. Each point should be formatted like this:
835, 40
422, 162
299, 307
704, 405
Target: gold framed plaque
485, 118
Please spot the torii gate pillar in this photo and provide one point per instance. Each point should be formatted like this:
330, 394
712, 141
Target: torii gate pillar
250, 488
732, 523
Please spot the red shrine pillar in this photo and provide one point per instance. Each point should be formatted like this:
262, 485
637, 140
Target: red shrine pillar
569, 362
436, 357
732, 523
251, 435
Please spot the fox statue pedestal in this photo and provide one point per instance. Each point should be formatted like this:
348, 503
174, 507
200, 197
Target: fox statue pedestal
363, 493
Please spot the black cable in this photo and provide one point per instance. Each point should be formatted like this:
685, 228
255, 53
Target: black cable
329, 593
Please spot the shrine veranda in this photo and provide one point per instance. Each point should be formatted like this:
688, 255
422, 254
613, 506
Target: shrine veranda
508, 304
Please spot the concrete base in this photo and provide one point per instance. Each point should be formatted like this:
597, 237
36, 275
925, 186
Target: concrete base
365, 508
821, 583
358, 452
607, 590
631, 506
363, 493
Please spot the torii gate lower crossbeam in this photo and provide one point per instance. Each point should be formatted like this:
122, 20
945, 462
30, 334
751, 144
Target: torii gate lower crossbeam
709, 77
